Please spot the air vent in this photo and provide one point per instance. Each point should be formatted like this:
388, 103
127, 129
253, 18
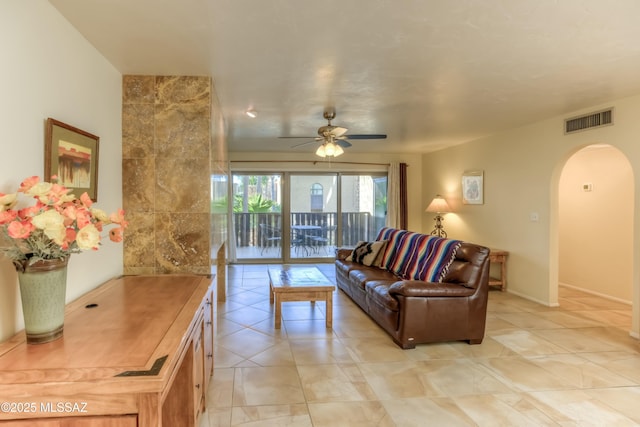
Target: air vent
592, 120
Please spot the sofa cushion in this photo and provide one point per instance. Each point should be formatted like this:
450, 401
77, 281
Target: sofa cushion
431, 259
378, 292
366, 253
364, 274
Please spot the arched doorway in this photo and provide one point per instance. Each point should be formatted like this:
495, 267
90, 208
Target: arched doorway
595, 223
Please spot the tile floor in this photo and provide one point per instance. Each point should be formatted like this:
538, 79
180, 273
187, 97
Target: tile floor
538, 366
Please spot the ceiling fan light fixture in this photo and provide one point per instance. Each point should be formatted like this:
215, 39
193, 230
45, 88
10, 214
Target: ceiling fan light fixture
320, 152
330, 149
251, 113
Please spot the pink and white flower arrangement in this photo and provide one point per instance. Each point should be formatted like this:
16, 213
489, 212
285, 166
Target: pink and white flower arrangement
56, 226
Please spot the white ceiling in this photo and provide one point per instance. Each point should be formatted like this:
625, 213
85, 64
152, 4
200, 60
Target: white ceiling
427, 73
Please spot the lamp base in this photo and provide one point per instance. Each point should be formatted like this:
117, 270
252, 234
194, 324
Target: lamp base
439, 229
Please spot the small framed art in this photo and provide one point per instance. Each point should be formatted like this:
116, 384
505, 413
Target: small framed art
473, 187
72, 155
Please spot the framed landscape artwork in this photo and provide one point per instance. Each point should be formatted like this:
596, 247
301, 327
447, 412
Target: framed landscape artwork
72, 155
473, 188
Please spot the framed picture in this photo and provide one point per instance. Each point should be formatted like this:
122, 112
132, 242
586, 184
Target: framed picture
472, 187
72, 155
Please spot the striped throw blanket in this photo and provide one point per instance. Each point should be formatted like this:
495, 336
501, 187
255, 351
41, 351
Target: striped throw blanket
416, 256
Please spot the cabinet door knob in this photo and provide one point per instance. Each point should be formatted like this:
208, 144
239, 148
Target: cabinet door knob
198, 386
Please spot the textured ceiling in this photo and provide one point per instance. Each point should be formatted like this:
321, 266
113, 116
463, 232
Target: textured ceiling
427, 73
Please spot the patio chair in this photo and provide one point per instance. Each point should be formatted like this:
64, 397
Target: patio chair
270, 237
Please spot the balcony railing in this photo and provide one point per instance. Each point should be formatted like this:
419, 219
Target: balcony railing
317, 228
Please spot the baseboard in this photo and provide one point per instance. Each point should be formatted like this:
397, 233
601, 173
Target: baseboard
527, 297
598, 294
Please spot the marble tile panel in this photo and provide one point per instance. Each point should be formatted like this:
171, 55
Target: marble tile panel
137, 89
182, 131
183, 90
137, 131
138, 186
138, 247
182, 185
182, 243
247, 316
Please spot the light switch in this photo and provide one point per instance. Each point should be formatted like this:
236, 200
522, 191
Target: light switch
534, 217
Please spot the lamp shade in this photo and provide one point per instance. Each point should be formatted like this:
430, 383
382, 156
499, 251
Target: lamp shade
438, 205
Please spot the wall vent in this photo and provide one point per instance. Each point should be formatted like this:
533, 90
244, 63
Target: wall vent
588, 121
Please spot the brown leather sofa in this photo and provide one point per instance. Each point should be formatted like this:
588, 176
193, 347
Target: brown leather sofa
413, 311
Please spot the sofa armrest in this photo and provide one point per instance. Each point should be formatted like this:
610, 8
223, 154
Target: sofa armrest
418, 288
343, 253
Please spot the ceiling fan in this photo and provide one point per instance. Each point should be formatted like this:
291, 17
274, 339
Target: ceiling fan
334, 137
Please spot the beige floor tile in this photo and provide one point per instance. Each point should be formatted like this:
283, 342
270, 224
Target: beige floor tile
502, 410
334, 383
571, 365
526, 343
319, 351
528, 320
350, 414
523, 374
421, 411
579, 408
266, 386
272, 415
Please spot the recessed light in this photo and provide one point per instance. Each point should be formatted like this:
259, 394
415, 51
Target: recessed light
252, 113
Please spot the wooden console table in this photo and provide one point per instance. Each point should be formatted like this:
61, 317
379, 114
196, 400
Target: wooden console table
136, 351
498, 256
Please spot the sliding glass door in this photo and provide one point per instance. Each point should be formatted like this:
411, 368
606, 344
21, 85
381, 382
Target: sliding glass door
298, 217
313, 219
256, 216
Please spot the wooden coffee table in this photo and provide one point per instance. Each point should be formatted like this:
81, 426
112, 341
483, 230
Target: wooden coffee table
293, 283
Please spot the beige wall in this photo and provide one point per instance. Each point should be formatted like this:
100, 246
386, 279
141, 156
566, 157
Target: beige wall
50, 70
522, 173
597, 224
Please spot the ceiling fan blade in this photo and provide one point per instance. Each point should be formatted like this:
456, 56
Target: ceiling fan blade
343, 143
339, 131
373, 136
305, 143
297, 137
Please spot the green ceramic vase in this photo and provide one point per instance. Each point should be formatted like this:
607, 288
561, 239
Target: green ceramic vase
43, 287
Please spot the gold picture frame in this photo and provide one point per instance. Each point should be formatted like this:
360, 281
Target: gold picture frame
473, 187
71, 154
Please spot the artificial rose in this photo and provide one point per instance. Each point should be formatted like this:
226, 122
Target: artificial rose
20, 230
88, 237
55, 226
7, 201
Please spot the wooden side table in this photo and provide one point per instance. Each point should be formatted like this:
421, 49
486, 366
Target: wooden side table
498, 256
